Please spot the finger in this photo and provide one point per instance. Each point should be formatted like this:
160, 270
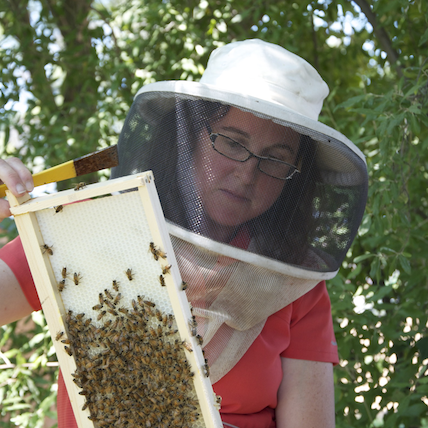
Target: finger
4, 209
16, 176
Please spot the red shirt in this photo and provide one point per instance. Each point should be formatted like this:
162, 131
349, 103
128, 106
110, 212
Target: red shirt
302, 330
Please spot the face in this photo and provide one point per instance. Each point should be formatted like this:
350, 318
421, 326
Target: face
234, 192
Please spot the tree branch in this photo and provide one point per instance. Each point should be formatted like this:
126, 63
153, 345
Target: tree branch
381, 34
315, 42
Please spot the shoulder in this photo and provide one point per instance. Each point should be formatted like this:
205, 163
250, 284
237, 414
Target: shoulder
315, 299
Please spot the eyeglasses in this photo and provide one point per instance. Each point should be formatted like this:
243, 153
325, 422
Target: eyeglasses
236, 151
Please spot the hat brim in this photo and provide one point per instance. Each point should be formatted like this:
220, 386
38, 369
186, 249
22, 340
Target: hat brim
337, 167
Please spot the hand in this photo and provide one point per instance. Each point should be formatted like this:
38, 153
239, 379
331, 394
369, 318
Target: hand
17, 178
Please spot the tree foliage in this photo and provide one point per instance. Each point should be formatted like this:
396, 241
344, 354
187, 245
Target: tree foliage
69, 71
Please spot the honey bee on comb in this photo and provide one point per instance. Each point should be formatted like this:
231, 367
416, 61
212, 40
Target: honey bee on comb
129, 274
166, 269
59, 335
117, 298
115, 285
156, 252
132, 370
47, 249
76, 278
61, 285
108, 294
110, 304
162, 280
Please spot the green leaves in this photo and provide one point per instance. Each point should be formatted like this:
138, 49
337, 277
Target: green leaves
27, 391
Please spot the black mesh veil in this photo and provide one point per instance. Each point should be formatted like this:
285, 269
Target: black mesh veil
261, 203
308, 220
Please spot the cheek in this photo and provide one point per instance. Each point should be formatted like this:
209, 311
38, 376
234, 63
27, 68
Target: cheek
210, 168
267, 192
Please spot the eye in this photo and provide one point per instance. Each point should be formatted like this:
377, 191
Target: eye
229, 143
282, 153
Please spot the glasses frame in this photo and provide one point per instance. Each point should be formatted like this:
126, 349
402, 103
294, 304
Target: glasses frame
213, 136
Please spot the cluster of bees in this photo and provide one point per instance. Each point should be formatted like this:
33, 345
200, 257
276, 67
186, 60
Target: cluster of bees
131, 365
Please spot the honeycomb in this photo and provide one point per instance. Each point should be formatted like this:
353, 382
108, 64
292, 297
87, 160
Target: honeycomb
131, 362
100, 240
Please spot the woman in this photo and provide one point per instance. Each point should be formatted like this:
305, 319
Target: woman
262, 203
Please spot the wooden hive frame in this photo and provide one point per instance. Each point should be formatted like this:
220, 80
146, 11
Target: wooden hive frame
77, 243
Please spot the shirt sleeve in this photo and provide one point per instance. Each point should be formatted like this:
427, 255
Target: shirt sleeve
14, 256
311, 328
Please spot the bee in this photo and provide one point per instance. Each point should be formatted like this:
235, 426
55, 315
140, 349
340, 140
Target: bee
187, 345
66, 341
132, 317
112, 311
156, 252
149, 303
206, 370
171, 332
193, 322
59, 335
101, 314
153, 250
118, 324
123, 310
193, 330
68, 350
61, 285
46, 249
166, 269
108, 294
170, 320
80, 316
183, 285
141, 301
64, 272
161, 254
79, 186
199, 339
164, 320
109, 304
76, 278
116, 285
158, 315
101, 298
97, 307
58, 209
162, 280
117, 298
129, 274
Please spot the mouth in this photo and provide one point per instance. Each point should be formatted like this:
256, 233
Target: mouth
235, 195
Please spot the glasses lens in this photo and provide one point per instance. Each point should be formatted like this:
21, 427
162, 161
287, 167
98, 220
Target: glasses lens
230, 148
276, 169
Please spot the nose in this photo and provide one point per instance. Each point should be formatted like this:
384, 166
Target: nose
247, 171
